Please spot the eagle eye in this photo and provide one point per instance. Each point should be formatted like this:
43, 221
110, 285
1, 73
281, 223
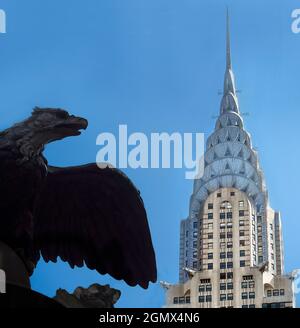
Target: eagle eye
62, 115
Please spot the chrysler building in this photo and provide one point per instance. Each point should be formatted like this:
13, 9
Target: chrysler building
231, 247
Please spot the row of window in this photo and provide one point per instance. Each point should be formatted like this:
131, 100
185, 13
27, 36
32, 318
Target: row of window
224, 286
225, 204
246, 295
207, 298
246, 284
275, 292
224, 244
223, 216
229, 225
182, 300
250, 306
205, 288
277, 305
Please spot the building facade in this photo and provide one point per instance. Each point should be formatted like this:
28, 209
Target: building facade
231, 248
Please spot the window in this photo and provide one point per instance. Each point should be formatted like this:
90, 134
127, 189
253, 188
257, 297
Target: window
201, 288
248, 277
271, 235
229, 234
229, 225
175, 300
210, 245
219, 195
229, 275
208, 287
272, 246
242, 233
210, 216
222, 276
242, 243
242, 264
210, 266
252, 306
195, 225
259, 219
229, 255
244, 284
244, 296
251, 284
187, 300
230, 285
229, 215
259, 239
210, 226
195, 265
241, 213
260, 259
252, 295
222, 297
195, 253
272, 256
269, 293
222, 286
210, 256
229, 265
210, 206
230, 297
275, 292
210, 236
195, 244
195, 234
222, 255
241, 203
181, 300
229, 244
271, 226
259, 229
222, 245
242, 223
244, 306
281, 292
222, 236
222, 226
222, 216
232, 193
242, 253
201, 299
208, 298
222, 265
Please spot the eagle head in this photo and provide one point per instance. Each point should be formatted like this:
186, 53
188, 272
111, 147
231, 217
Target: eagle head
53, 124
45, 125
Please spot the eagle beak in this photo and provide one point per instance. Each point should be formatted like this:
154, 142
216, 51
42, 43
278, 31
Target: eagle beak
77, 123
71, 126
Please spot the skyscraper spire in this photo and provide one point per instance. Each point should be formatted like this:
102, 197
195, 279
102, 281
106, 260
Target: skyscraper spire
228, 51
229, 100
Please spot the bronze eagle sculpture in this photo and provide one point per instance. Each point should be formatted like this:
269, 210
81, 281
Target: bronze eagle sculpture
85, 215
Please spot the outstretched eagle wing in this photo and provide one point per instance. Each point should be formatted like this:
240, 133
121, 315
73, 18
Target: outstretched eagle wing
87, 215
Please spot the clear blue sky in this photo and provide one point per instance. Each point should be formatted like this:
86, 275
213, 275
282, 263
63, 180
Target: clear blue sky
157, 65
